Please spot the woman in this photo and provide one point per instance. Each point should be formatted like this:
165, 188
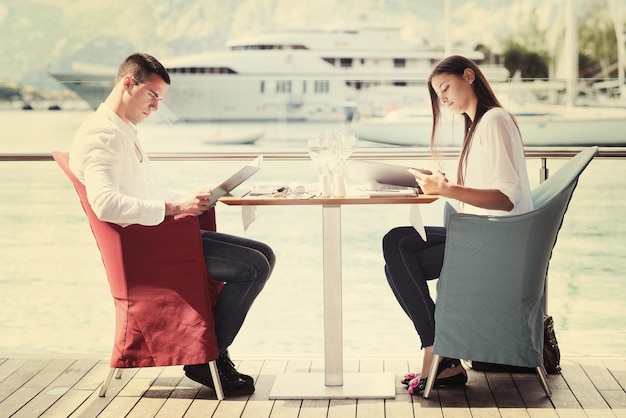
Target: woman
491, 180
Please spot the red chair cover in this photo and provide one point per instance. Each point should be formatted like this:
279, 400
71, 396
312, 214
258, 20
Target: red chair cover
163, 294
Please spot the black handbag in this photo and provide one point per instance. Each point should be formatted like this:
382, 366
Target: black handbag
551, 354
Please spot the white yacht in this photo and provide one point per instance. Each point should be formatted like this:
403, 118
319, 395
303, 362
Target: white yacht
303, 75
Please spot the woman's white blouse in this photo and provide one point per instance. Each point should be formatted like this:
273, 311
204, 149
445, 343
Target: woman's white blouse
496, 161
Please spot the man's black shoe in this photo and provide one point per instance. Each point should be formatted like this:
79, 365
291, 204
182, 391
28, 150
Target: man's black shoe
225, 366
232, 383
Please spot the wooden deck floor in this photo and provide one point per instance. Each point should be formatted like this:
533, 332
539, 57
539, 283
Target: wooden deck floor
63, 387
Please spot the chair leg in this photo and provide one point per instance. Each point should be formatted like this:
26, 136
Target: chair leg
541, 373
216, 380
107, 382
432, 375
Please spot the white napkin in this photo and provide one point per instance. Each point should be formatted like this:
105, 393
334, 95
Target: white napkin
248, 215
415, 218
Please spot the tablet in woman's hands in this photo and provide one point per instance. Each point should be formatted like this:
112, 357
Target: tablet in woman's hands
419, 171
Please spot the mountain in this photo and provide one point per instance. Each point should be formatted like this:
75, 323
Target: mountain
39, 35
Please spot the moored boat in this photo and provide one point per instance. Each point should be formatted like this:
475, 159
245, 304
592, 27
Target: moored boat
298, 75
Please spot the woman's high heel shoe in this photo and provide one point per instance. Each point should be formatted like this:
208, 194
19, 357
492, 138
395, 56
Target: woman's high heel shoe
446, 363
417, 384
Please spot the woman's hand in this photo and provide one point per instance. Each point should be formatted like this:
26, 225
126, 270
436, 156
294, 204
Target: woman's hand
431, 181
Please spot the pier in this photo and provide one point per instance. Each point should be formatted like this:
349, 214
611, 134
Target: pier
68, 387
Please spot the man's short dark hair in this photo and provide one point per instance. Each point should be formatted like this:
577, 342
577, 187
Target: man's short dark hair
141, 66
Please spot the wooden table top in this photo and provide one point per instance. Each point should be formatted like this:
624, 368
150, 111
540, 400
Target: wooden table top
325, 201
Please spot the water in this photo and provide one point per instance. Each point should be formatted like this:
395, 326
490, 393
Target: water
54, 297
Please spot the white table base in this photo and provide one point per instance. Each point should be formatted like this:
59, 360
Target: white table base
355, 386
333, 383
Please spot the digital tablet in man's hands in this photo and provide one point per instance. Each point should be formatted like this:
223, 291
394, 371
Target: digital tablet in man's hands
241, 175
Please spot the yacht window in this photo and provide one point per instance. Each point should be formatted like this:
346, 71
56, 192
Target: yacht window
262, 89
200, 70
331, 61
346, 62
283, 87
399, 62
321, 86
266, 46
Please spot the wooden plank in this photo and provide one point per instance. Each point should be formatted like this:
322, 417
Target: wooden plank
35, 384
179, 401
599, 374
204, 405
542, 413
370, 408
230, 408
154, 398
118, 407
479, 397
504, 390
131, 394
531, 391
94, 405
56, 389
79, 393
182, 395
405, 405
19, 376
7, 368
617, 368
582, 388
605, 382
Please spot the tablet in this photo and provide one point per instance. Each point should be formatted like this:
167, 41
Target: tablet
382, 173
241, 175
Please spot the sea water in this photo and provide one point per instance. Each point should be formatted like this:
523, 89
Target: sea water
54, 297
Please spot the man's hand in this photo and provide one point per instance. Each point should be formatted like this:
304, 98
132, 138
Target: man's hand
195, 203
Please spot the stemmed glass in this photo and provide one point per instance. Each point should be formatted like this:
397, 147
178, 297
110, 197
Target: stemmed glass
325, 150
348, 144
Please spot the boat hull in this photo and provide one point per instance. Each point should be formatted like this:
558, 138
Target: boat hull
582, 127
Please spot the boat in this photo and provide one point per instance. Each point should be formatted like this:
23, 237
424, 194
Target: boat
541, 124
295, 75
200, 133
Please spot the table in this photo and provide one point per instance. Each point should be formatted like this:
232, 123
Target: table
333, 383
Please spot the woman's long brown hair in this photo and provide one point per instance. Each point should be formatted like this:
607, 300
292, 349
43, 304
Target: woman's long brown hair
456, 65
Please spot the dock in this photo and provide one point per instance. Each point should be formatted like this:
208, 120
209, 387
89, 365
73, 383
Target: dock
68, 387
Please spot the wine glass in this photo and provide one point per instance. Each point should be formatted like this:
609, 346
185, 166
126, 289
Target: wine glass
325, 149
348, 144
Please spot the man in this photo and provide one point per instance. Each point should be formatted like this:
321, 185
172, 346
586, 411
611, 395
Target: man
122, 188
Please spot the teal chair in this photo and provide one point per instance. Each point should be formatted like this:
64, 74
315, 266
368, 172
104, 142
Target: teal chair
490, 295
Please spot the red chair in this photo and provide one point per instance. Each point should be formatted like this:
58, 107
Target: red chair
163, 294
